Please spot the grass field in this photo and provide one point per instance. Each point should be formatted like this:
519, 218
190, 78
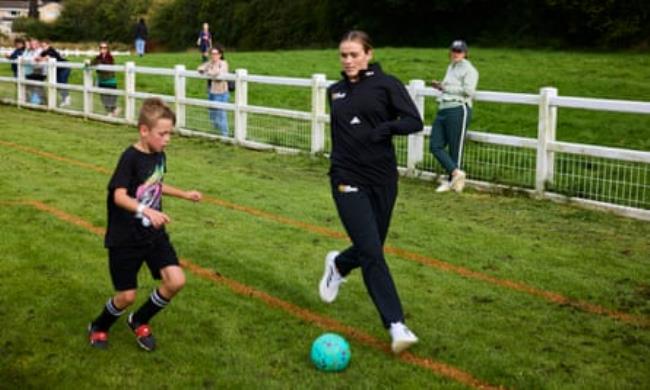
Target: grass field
585, 74
503, 291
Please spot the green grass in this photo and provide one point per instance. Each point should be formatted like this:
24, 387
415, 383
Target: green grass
584, 74
53, 277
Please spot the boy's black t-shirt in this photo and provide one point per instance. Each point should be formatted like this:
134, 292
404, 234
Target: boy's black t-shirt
142, 176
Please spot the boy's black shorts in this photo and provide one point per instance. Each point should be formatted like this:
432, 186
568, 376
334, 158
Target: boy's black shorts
125, 262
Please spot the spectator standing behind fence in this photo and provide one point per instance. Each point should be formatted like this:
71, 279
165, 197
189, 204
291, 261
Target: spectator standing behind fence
19, 49
62, 74
106, 79
204, 41
141, 34
454, 114
33, 71
367, 108
217, 66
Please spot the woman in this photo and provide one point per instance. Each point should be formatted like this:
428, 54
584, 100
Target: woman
454, 113
204, 41
367, 107
106, 79
217, 89
62, 74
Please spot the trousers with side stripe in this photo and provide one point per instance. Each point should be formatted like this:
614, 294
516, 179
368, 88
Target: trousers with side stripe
365, 214
449, 129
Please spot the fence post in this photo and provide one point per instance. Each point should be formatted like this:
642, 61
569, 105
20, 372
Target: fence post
88, 84
318, 91
129, 90
546, 128
415, 150
241, 101
179, 95
20, 87
51, 83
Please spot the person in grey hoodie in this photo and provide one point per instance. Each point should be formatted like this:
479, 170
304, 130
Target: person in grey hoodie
454, 114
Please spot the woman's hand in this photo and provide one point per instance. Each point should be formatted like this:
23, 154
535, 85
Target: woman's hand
436, 84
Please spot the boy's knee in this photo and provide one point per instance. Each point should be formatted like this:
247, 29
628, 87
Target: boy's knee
174, 279
125, 298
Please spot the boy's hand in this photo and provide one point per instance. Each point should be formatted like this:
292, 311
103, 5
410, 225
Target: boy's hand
194, 196
156, 217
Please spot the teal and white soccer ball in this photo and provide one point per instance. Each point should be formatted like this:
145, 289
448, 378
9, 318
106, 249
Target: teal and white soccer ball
330, 352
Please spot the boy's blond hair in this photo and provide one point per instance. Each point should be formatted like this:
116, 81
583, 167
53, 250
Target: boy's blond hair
154, 109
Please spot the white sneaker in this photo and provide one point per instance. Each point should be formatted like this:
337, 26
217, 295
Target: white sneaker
67, 101
458, 181
443, 187
331, 280
401, 336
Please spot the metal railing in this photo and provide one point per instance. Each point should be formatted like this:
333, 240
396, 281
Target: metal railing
608, 178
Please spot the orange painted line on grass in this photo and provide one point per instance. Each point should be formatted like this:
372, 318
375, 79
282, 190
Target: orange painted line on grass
438, 368
439, 264
549, 296
52, 156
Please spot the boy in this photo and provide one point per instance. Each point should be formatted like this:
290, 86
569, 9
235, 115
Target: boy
136, 228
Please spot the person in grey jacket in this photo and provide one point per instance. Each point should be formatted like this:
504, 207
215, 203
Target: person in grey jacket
454, 114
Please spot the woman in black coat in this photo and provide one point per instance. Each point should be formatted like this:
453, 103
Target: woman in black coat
367, 109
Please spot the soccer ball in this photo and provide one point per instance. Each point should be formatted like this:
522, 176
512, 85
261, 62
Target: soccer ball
330, 352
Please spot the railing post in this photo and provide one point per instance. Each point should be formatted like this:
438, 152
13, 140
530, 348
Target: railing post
318, 91
88, 84
179, 95
20, 87
129, 90
546, 127
241, 101
415, 150
51, 83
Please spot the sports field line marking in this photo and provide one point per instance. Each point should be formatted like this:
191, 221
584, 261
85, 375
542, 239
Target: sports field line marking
439, 368
548, 296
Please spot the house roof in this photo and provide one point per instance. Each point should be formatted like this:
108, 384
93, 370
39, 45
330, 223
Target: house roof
14, 4
21, 4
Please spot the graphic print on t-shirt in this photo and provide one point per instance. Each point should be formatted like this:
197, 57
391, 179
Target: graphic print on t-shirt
149, 193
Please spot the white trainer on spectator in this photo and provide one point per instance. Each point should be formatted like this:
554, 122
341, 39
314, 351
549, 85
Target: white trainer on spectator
67, 101
401, 336
443, 187
458, 181
331, 280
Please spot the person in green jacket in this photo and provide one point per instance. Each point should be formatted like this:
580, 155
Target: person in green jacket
106, 79
453, 116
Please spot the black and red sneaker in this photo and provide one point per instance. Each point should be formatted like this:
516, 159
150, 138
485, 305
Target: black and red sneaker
143, 334
97, 338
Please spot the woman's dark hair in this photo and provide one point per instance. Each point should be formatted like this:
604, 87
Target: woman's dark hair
220, 47
360, 36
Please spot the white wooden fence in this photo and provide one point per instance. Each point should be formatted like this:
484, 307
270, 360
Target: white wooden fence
607, 178
72, 52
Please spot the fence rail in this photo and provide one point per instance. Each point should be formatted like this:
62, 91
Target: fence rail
608, 178
72, 52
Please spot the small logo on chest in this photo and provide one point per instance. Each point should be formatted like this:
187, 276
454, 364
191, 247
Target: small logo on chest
355, 121
337, 95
